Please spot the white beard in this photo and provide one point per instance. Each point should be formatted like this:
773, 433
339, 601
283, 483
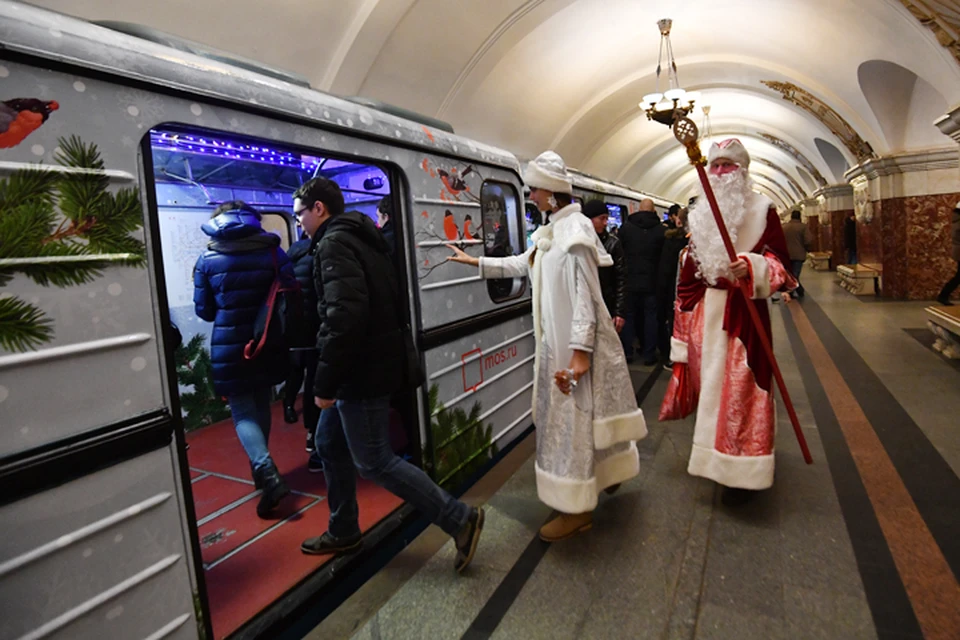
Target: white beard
734, 192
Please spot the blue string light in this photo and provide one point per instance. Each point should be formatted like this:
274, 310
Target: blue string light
221, 148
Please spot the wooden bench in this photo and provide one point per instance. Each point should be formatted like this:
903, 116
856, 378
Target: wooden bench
855, 278
820, 260
944, 323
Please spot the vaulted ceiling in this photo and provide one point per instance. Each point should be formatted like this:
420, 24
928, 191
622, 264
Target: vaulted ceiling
529, 75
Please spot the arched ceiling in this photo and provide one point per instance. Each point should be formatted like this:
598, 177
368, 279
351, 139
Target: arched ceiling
528, 75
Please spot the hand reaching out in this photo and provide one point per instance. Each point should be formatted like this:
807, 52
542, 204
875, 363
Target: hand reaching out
462, 257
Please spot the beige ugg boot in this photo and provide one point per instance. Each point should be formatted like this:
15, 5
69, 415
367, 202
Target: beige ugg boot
566, 525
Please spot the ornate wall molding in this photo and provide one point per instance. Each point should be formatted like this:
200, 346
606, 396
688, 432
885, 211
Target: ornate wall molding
793, 183
904, 163
836, 197
949, 124
823, 112
942, 17
783, 145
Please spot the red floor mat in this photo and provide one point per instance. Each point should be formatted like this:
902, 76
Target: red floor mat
243, 584
213, 493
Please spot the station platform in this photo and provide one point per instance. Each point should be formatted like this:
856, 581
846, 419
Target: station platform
865, 543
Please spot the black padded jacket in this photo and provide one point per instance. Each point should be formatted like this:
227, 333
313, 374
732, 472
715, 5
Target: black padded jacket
360, 340
613, 280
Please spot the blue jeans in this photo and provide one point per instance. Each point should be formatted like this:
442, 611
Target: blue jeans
851, 256
355, 434
251, 416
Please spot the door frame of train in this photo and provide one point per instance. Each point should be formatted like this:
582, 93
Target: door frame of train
414, 405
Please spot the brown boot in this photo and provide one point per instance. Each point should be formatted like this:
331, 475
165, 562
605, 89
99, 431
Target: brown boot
566, 525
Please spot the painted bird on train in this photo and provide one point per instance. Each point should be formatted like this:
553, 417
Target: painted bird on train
22, 116
453, 181
450, 226
467, 230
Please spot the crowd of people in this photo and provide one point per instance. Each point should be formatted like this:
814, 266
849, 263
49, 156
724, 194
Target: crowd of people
661, 287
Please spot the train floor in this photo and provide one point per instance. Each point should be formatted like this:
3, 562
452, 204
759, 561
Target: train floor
248, 562
862, 544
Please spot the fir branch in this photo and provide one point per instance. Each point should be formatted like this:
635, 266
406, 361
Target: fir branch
64, 274
81, 194
28, 186
23, 229
23, 326
74, 153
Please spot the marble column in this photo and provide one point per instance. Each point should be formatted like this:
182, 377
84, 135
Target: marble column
903, 205
949, 125
834, 204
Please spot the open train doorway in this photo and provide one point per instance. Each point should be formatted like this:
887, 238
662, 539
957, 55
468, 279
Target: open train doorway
249, 561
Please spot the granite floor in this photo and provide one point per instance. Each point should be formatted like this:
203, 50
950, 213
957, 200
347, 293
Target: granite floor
827, 553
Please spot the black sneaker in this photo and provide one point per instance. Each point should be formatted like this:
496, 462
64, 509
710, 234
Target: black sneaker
467, 540
310, 447
274, 491
289, 415
315, 465
327, 544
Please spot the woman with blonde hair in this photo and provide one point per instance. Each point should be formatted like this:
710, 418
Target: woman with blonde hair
584, 406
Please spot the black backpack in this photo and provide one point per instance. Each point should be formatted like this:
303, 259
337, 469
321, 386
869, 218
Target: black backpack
280, 324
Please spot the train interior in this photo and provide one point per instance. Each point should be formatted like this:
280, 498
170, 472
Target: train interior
249, 562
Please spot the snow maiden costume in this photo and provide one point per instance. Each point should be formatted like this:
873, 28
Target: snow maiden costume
585, 440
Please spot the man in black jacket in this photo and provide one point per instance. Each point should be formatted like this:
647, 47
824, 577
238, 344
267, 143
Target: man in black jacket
675, 242
613, 280
362, 362
642, 236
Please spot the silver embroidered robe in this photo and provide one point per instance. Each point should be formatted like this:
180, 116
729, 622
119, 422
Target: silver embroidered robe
585, 440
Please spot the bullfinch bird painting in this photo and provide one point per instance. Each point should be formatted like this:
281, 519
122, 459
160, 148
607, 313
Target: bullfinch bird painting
22, 116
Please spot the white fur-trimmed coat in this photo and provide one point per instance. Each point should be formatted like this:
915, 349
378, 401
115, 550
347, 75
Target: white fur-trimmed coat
585, 441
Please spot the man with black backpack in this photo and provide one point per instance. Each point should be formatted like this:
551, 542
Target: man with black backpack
232, 282
365, 356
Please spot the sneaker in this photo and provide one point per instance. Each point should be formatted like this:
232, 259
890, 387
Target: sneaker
944, 301
315, 465
668, 366
310, 447
467, 540
289, 415
327, 545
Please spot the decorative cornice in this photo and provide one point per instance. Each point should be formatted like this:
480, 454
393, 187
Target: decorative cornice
949, 124
802, 159
834, 191
823, 112
904, 163
793, 183
942, 17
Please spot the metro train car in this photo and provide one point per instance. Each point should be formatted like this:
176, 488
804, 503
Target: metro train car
621, 200
124, 488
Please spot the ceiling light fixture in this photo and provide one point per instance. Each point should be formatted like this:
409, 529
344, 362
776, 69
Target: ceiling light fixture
675, 102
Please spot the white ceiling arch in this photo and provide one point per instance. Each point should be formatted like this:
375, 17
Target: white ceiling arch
530, 74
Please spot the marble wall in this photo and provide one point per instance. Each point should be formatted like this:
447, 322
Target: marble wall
910, 239
813, 223
837, 244
928, 251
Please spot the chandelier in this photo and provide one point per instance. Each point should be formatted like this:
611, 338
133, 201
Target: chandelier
674, 102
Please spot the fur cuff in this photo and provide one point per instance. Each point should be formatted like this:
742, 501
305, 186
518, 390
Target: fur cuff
569, 495
740, 472
625, 427
678, 351
759, 275
589, 241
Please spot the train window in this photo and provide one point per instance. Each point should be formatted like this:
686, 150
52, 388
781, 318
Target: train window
616, 212
500, 218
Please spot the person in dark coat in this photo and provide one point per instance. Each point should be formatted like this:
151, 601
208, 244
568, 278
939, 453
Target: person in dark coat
674, 243
303, 363
642, 236
799, 240
613, 279
231, 281
951, 286
385, 221
362, 361
850, 237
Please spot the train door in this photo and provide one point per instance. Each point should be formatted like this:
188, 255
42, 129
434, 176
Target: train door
191, 173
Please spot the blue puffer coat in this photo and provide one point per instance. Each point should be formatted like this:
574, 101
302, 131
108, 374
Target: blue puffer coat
231, 282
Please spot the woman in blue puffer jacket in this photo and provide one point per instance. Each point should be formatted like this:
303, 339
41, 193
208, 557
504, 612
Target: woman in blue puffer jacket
231, 282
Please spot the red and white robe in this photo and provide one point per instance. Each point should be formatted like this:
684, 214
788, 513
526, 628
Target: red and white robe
720, 369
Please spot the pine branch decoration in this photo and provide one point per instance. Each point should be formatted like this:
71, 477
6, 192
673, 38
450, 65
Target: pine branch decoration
53, 216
